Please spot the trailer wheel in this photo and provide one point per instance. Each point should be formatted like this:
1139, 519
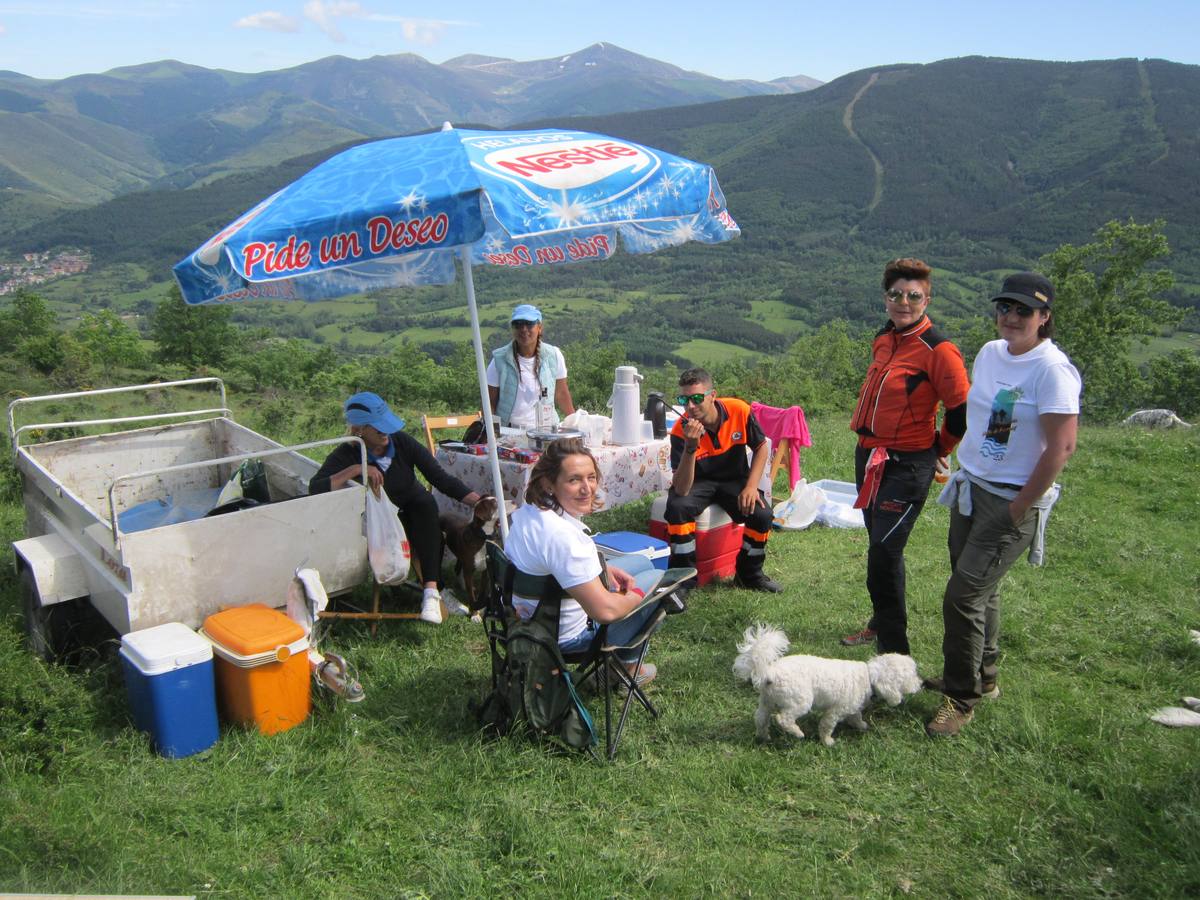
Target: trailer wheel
40, 632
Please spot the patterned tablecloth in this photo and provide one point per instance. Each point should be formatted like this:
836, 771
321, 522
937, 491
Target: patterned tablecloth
626, 474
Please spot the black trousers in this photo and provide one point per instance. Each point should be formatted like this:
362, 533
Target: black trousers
682, 512
890, 519
419, 516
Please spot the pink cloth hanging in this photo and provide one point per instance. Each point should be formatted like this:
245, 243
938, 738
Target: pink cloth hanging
788, 423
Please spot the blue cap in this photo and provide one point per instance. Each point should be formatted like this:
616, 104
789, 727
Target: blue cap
366, 408
526, 312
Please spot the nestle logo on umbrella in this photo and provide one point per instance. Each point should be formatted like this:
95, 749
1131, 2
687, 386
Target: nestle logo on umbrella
569, 165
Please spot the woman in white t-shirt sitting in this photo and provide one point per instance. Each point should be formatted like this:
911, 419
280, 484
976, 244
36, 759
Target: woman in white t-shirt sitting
547, 538
525, 371
1022, 418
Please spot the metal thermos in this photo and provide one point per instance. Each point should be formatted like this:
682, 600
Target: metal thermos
656, 413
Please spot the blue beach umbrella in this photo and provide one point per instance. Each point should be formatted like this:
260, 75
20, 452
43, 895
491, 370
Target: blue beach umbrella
399, 212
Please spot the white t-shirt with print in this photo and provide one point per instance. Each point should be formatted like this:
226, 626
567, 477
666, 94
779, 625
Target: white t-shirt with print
524, 411
1004, 438
543, 542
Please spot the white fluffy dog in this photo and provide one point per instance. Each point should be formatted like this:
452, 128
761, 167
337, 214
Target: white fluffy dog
790, 686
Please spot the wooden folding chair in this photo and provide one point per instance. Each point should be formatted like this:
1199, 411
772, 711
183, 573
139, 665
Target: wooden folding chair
375, 615
779, 455
436, 423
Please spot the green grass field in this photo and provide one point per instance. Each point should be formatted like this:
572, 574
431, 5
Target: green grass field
1062, 787
1161, 346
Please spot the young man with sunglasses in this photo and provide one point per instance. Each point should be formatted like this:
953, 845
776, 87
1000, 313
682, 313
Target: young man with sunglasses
709, 459
913, 369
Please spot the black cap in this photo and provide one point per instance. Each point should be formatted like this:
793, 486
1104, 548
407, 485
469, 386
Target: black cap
1030, 288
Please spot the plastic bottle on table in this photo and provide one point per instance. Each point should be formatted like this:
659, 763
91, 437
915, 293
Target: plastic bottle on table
545, 412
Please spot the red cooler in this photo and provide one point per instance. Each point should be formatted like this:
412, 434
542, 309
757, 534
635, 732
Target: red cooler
718, 540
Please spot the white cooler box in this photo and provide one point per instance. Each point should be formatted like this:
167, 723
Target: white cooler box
621, 543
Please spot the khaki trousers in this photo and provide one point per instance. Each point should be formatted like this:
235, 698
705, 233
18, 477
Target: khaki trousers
982, 546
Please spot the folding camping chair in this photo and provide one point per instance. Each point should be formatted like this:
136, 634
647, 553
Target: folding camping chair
598, 663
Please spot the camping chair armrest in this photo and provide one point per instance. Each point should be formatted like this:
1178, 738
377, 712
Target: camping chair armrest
638, 639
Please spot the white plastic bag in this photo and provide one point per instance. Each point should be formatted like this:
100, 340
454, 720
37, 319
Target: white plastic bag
595, 428
387, 544
799, 510
840, 515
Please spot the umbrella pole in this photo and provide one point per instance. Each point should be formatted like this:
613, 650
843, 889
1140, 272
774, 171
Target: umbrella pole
485, 401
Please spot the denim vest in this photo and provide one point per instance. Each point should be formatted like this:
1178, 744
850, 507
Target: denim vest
506, 370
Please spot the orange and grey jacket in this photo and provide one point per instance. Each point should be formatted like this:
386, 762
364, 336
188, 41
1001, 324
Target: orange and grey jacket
910, 372
736, 429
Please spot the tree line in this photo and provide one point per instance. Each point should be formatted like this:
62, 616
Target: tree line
1109, 296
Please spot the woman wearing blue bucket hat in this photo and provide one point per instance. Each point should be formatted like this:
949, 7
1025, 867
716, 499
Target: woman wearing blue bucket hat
527, 370
393, 459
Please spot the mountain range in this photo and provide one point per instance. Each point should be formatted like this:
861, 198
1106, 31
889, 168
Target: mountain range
978, 165
89, 138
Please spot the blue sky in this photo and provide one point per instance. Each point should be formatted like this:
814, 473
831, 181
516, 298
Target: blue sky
760, 39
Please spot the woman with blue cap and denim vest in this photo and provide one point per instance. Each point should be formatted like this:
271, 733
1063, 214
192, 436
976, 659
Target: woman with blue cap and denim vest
525, 371
393, 459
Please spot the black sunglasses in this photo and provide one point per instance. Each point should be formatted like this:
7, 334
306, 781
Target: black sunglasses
685, 399
1004, 307
523, 323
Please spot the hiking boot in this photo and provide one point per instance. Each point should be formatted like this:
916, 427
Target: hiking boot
645, 675
948, 720
758, 582
866, 636
431, 609
991, 689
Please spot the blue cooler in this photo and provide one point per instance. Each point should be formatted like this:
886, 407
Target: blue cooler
619, 543
169, 679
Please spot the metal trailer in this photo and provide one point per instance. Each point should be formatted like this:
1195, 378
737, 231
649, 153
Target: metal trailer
75, 489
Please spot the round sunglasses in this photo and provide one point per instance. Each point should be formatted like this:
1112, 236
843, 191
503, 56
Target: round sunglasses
895, 295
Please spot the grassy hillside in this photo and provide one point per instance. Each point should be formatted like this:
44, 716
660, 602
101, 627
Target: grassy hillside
1061, 787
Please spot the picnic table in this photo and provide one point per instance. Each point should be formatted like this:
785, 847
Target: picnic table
627, 473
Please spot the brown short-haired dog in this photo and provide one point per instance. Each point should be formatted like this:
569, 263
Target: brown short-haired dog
465, 539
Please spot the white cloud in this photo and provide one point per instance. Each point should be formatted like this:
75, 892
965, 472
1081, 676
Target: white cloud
423, 31
269, 20
1, 30
326, 13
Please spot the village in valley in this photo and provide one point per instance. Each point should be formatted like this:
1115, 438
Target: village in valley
36, 268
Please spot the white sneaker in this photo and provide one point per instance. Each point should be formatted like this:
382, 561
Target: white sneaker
431, 609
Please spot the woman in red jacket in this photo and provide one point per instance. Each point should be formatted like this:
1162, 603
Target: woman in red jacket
913, 369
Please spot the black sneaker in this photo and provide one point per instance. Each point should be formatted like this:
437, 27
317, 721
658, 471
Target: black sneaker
758, 582
684, 589
675, 602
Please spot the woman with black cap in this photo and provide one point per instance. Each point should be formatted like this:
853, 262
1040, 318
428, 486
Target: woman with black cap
393, 459
1022, 418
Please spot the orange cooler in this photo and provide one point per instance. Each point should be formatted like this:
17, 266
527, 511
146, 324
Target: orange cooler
261, 667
